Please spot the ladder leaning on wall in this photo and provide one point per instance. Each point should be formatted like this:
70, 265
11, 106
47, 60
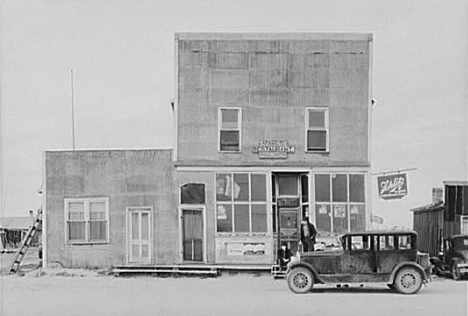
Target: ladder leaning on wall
26, 242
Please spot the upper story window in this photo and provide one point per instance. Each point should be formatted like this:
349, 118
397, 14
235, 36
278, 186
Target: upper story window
229, 126
87, 220
317, 139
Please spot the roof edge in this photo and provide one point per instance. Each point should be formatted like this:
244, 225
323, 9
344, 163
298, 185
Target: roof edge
273, 36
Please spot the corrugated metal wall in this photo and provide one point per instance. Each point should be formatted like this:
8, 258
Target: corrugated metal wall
273, 81
429, 225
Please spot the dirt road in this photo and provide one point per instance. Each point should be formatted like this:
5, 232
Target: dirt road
224, 296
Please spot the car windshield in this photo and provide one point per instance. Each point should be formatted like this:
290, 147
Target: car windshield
327, 243
460, 243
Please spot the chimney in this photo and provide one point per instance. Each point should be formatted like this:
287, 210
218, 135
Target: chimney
437, 195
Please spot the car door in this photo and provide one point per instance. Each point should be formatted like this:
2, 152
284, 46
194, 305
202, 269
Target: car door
361, 255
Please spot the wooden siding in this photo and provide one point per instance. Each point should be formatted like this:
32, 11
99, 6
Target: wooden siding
273, 81
128, 178
429, 224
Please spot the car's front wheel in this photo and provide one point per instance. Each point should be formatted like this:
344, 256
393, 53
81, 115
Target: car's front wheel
408, 281
300, 280
454, 271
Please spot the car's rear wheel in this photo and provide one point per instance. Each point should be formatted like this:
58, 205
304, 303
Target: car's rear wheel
300, 280
454, 271
408, 281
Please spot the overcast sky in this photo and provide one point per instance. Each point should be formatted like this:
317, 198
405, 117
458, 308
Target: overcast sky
122, 56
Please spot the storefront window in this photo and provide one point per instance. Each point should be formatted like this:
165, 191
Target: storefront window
258, 188
241, 202
341, 208
241, 187
224, 217
322, 188
259, 218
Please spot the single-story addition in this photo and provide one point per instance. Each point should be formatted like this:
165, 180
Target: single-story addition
270, 130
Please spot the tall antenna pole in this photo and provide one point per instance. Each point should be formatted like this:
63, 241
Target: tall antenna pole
73, 111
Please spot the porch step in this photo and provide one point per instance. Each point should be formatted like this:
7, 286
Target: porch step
166, 269
207, 270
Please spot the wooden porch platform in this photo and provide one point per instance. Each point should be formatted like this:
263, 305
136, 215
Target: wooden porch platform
187, 269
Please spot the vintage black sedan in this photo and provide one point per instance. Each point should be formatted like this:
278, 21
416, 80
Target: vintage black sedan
454, 257
390, 258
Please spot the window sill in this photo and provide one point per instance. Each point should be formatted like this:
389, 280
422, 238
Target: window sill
325, 152
229, 152
85, 243
223, 234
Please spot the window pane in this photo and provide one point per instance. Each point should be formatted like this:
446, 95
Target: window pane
356, 188
224, 218
97, 210
317, 140
97, 230
193, 224
323, 218
274, 216
223, 187
316, 118
76, 231
241, 187
288, 220
258, 187
229, 140
357, 218
360, 242
192, 193
144, 251
386, 243
305, 188
135, 226
76, 211
288, 185
241, 218
339, 188
144, 226
135, 251
404, 242
340, 218
229, 118
259, 218
322, 188
273, 189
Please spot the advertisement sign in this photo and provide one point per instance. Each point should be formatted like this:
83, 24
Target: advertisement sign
393, 186
245, 249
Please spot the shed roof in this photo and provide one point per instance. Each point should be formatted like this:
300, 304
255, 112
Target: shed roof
428, 208
16, 222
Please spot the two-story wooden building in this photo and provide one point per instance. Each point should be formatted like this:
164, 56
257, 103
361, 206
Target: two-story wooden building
270, 129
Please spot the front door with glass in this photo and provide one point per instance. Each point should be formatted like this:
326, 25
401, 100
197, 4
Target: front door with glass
139, 235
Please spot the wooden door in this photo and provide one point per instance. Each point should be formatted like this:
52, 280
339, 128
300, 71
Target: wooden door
192, 234
139, 236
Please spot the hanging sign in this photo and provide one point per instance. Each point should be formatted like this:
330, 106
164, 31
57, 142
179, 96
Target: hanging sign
393, 186
273, 149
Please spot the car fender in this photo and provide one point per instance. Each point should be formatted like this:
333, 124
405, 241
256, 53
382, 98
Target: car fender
459, 258
307, 266
407, 264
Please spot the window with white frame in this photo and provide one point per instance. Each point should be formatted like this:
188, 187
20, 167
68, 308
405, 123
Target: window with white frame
340, 202
87, 220
317, 135
229, 126
241, 203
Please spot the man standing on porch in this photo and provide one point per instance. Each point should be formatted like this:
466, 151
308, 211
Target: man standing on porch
308, 234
